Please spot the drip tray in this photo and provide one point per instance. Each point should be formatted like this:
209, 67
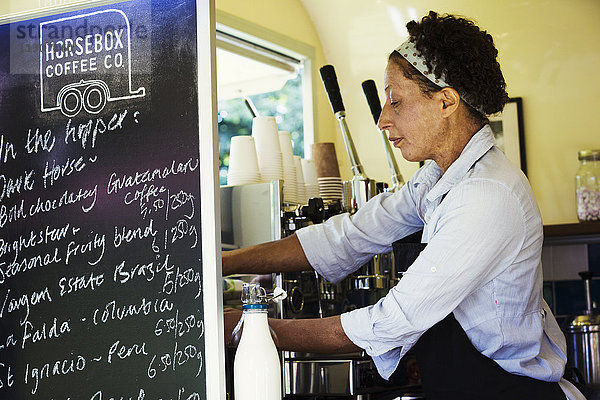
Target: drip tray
337, 375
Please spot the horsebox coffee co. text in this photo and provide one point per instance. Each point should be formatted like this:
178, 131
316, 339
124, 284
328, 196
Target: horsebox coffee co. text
71, 50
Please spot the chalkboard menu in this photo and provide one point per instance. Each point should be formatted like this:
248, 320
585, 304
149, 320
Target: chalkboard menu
101, 293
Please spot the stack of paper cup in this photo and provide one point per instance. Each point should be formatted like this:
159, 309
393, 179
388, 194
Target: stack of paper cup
328, 171
330, 188
290, 188
310, 178
270, 160
302, 199
243, 162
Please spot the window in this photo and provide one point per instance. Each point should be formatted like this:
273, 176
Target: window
259, 77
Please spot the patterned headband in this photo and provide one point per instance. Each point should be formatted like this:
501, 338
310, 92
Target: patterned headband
409, 52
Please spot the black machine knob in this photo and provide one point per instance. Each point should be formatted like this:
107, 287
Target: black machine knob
332, 88
370, 91
586, 275
315, 210
333, 209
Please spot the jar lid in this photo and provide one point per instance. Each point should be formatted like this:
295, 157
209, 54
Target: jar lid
589, 155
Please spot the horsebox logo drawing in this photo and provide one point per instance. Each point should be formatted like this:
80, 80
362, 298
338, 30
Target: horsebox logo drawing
85, 62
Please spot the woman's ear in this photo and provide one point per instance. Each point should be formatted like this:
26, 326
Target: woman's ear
450, 100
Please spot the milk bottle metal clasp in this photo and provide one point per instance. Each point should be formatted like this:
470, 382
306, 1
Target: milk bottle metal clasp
253, 293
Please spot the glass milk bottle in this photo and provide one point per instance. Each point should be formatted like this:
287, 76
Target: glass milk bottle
587, 183
256, 368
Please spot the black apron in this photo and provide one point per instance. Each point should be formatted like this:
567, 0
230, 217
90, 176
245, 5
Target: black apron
452, 368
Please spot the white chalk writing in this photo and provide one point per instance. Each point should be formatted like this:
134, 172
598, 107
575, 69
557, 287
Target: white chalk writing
116, 183
34, 238
26, 301
87, 133
39, 142
114, 312
127, 235
51, 369
7, 151
176, 358
176, 279
122, 351
124, 273
10, 379
92, 244
54, 172
44, 332
75, 283
11, 186
99, 396
179, 328
67, 198
28, 263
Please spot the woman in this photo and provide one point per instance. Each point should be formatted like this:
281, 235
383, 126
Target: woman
471, 303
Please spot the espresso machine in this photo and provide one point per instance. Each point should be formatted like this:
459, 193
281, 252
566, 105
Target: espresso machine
257, 213
321, 376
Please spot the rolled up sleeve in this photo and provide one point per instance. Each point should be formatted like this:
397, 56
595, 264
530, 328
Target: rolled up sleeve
343, 243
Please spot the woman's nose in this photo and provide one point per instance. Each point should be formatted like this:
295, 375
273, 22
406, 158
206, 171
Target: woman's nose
384, 122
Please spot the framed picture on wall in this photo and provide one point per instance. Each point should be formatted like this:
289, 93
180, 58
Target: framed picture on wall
508, 131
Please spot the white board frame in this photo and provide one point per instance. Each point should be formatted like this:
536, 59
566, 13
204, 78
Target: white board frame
214, 346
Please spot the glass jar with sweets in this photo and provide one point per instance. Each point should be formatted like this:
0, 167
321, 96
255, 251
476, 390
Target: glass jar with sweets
587, 183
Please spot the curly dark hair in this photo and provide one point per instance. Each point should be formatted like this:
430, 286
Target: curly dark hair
455, 47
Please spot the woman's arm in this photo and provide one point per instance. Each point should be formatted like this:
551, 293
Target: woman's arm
283, 255
316, 335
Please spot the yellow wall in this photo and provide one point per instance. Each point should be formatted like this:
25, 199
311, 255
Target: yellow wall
550, 56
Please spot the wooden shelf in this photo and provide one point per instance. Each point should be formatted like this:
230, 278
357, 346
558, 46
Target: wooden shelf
577, 233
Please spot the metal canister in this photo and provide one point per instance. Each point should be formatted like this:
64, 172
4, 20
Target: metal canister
583, 344
583, 339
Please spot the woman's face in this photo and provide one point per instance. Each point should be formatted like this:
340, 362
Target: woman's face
412, 118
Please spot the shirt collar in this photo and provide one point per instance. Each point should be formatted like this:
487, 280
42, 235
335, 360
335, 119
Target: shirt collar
480, 143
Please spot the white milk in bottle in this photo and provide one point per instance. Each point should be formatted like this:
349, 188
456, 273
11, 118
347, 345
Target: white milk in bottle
256, 368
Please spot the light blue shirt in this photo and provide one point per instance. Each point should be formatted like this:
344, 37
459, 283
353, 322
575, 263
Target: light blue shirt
482, 263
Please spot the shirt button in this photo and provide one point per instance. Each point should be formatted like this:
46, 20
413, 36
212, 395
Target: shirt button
433, 269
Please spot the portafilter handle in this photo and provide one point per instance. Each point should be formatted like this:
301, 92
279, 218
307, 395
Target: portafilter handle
587, 279
332, 88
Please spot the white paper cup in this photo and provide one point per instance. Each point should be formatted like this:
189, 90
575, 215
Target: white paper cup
242, 155
268, 149
264, 132
300, 180
290, 189
309, 170
312, 191
285, 142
